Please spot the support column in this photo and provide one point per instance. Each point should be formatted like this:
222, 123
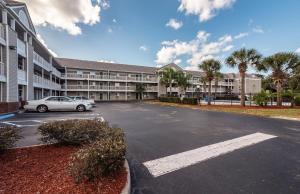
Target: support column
5, 23
126, 92
13, 24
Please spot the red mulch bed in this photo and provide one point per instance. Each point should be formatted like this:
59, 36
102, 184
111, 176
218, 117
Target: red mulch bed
44, 170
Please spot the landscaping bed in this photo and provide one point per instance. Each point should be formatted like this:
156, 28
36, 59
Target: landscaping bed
79, 156
43, 169
274, 111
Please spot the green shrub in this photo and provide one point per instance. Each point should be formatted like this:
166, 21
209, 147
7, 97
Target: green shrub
101, 158
9, 135
192, 101
261, 99
297, 100
169, 99
73, 132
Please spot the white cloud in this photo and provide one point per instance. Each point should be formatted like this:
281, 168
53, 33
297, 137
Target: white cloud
177, 61
65, 15
114, 21
143, 48
205, 9
258, 29
104, 4
196, 50
228, 48
109, 30
298, 50
175, 24
202, 35
39, 37
241, 35
106, 61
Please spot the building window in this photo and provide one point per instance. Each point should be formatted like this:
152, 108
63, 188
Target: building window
21, 63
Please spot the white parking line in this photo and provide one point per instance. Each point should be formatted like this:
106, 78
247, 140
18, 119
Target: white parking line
175, 162
15, 123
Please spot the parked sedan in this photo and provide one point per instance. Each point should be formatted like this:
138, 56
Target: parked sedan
83, 99
58, 103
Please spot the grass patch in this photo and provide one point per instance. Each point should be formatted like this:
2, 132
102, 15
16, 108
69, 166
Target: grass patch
253, 110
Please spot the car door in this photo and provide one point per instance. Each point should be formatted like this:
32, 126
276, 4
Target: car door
67, 103
52, 103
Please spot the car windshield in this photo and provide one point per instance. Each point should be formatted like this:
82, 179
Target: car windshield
84, 98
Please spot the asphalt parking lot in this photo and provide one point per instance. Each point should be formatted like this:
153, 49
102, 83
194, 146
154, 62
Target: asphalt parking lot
247, 154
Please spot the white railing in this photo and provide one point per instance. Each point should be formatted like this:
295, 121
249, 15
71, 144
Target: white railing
2, 69
21, 75
41, 62
56, 72
107, 77
2, 31
151, 89
21, 48
45, 83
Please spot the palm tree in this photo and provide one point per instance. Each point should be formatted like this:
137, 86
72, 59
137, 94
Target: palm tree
140, 89
203, 80
241, 59
218, 75
210, 67
183, 80
168, 78
281, 65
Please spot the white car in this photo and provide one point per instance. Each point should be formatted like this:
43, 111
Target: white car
83, 99
58, 103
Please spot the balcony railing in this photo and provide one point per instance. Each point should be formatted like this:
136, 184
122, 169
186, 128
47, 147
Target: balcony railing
45, 83
107, 88
2, 69
107, 77
21, 48
41, 62
2, 32
22, 76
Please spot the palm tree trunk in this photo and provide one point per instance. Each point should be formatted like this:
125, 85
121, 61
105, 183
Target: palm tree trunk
167, 90
216, 86
209, 92
242, 74
279, 91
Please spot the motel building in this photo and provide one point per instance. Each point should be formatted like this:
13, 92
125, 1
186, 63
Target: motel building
28, 71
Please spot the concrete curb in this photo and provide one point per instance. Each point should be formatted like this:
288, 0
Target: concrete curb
127, 188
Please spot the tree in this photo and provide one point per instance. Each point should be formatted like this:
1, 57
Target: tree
140, 89
203, 80
281, 65
242, 59
183, 80
168, 78
218, 75
209, 67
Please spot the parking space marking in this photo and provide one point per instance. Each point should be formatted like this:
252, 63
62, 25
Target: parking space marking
175, 162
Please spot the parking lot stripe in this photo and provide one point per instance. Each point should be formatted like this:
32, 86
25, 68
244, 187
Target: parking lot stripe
175, 162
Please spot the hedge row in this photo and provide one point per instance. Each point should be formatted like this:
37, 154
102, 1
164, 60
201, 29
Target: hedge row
192, 101
103, 147
297, 101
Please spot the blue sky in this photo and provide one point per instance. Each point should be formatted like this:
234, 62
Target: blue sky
132, 32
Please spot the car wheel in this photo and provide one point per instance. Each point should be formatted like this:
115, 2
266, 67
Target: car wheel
80, 108
42, 108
